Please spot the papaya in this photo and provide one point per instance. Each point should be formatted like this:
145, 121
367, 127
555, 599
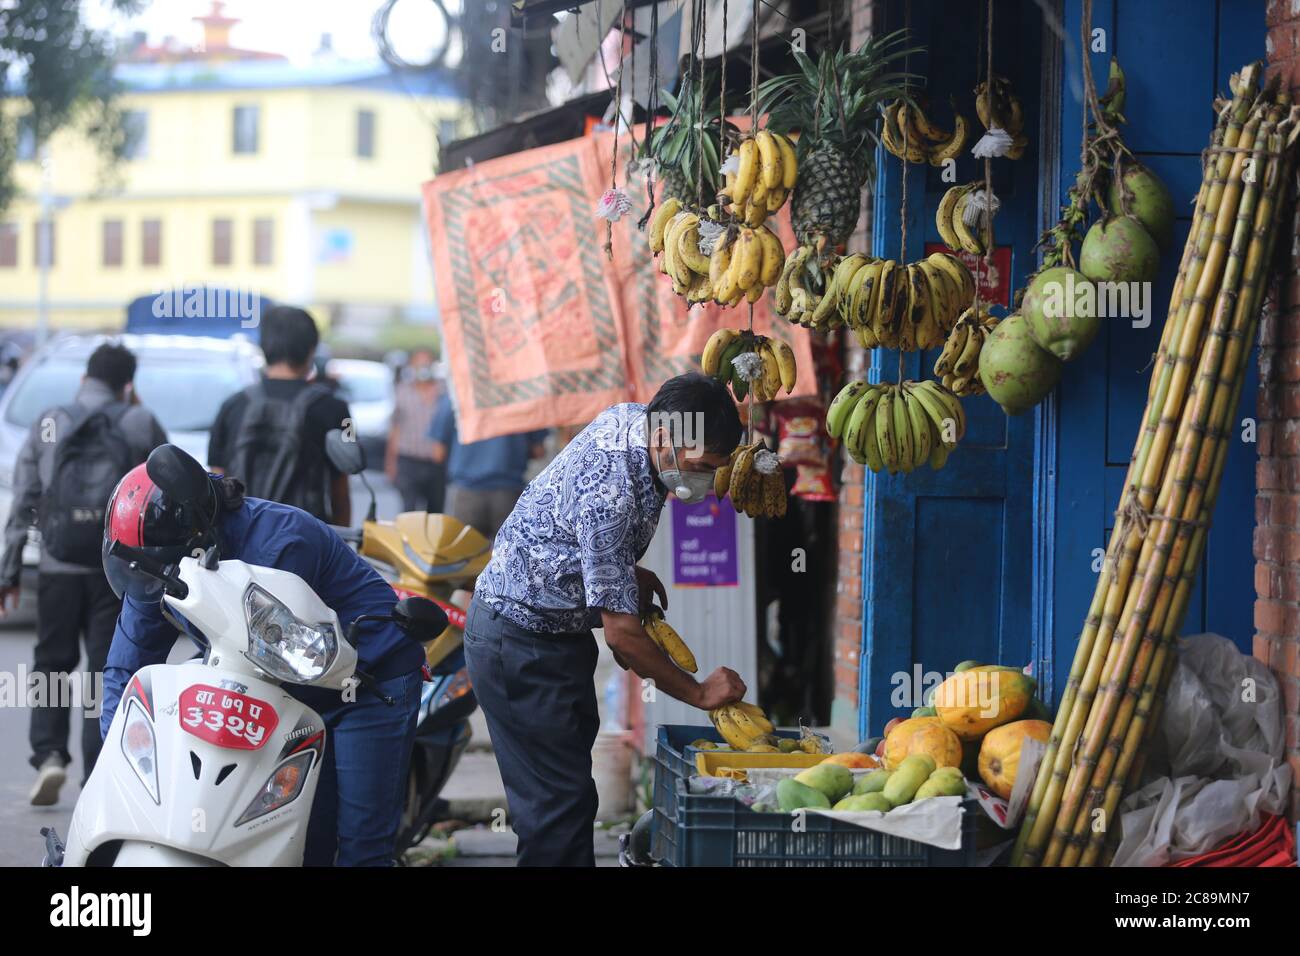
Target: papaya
793, 795
872, 782
864, 801
907, 779
975, 701
1000, 753
925, 735
831, 779
853, 760
940, 784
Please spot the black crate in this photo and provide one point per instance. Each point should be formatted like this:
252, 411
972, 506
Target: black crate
674, 761
722, 831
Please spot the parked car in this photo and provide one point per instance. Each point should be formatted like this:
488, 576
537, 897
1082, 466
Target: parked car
182, 379
368, 389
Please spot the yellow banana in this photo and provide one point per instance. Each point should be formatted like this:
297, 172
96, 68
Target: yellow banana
770, 155
884, 421
659, 222
921, 429
786, 364
902, 431
773, 256
688, 247
951, 148
746, 174
667, 637
957, 273
971, 239
943, 216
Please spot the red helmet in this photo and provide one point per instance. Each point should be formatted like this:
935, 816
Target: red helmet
141, 515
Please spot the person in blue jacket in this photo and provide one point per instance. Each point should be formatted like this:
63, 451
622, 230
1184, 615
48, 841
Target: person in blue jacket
358, 804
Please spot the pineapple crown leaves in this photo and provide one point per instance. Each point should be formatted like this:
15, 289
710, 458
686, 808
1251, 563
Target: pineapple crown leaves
837, 99
676, 144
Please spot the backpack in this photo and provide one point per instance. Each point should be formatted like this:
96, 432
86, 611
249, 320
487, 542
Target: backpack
268, 450
89, 461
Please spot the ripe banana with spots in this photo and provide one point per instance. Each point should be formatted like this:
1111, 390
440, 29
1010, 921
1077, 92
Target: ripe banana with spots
663, 634
908, 133
754, 482
958, 364
744, 727
766, 172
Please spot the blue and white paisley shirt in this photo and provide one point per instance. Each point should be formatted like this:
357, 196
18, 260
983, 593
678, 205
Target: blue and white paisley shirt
570, 546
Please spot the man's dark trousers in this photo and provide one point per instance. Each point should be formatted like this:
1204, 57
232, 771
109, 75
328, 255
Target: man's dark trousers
538, 694
70, 608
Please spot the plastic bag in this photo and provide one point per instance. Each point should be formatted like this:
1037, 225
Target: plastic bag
1220, 750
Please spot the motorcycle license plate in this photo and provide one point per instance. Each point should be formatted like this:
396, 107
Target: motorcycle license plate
226, 718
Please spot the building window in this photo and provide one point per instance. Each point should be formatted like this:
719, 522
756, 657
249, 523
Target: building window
222, 234
135, 134
263, 241
246, 121
151, 242
8, 244
366, 133
112, 242
26, 147
42, 256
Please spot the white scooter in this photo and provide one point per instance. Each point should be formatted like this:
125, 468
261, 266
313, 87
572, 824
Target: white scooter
212, 763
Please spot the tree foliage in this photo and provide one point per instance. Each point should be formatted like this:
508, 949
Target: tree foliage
59, 70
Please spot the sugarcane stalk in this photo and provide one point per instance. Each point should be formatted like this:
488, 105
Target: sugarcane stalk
1128, 676
1042, 805
1149, 463
1146, 712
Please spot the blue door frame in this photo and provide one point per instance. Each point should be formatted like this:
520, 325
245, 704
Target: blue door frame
992, 557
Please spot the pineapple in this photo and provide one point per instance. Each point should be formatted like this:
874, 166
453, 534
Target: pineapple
676, 144
835, 103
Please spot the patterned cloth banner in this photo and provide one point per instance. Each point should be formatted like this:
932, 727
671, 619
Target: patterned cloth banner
540, 328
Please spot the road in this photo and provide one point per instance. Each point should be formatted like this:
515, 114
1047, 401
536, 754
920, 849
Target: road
20, 823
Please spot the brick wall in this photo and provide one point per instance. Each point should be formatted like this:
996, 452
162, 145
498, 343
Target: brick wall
1277, 502
848, 598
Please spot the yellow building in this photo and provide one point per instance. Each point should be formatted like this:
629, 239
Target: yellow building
297, 182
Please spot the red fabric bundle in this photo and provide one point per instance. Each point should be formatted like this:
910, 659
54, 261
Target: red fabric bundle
1273, 844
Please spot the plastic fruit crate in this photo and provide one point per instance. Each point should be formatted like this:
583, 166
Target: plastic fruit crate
674, 761
722, 831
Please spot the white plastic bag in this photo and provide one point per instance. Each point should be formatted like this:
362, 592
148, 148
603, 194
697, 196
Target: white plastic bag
1218, 759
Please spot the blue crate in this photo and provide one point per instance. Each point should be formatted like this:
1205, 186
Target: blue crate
722, 831
674, 761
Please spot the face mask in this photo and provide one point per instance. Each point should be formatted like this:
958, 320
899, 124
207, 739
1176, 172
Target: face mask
688, 487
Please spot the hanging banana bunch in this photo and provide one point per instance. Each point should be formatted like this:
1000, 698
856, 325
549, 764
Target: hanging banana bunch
897, 426
743, 263
760, 174
885, 303
754, 482
958, 366
909, 134
669, 641
965, 218
999, 108
749, 362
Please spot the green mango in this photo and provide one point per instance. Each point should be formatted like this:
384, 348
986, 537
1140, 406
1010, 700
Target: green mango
832, 779
942, 784
872, 782
793, 795
864, 801
903, 783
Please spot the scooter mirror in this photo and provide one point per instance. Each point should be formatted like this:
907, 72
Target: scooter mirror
180, 477
346, 455
420, 618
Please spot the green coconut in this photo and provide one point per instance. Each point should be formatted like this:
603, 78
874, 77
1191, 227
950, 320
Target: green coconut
1119, 249
1060, 308
1017, 373
1149, 201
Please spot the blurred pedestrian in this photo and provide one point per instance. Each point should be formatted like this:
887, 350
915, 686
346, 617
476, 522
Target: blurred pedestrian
73, 458
408, 462
484, 478
272, 435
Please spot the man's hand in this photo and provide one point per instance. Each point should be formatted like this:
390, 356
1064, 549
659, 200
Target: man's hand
8, 599
723, 686
648, 585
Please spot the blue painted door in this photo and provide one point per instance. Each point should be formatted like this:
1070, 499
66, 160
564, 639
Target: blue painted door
948, 570
1176, 55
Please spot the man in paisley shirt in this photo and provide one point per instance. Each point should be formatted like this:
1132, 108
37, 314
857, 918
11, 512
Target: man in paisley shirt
565, 562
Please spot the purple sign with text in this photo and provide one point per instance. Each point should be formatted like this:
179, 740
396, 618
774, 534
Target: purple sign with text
704, 544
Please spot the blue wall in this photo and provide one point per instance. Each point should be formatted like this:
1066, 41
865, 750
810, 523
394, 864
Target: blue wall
992, 557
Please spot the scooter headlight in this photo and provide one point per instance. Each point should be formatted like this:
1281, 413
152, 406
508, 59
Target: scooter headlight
282, 787
282, 645
139, 748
